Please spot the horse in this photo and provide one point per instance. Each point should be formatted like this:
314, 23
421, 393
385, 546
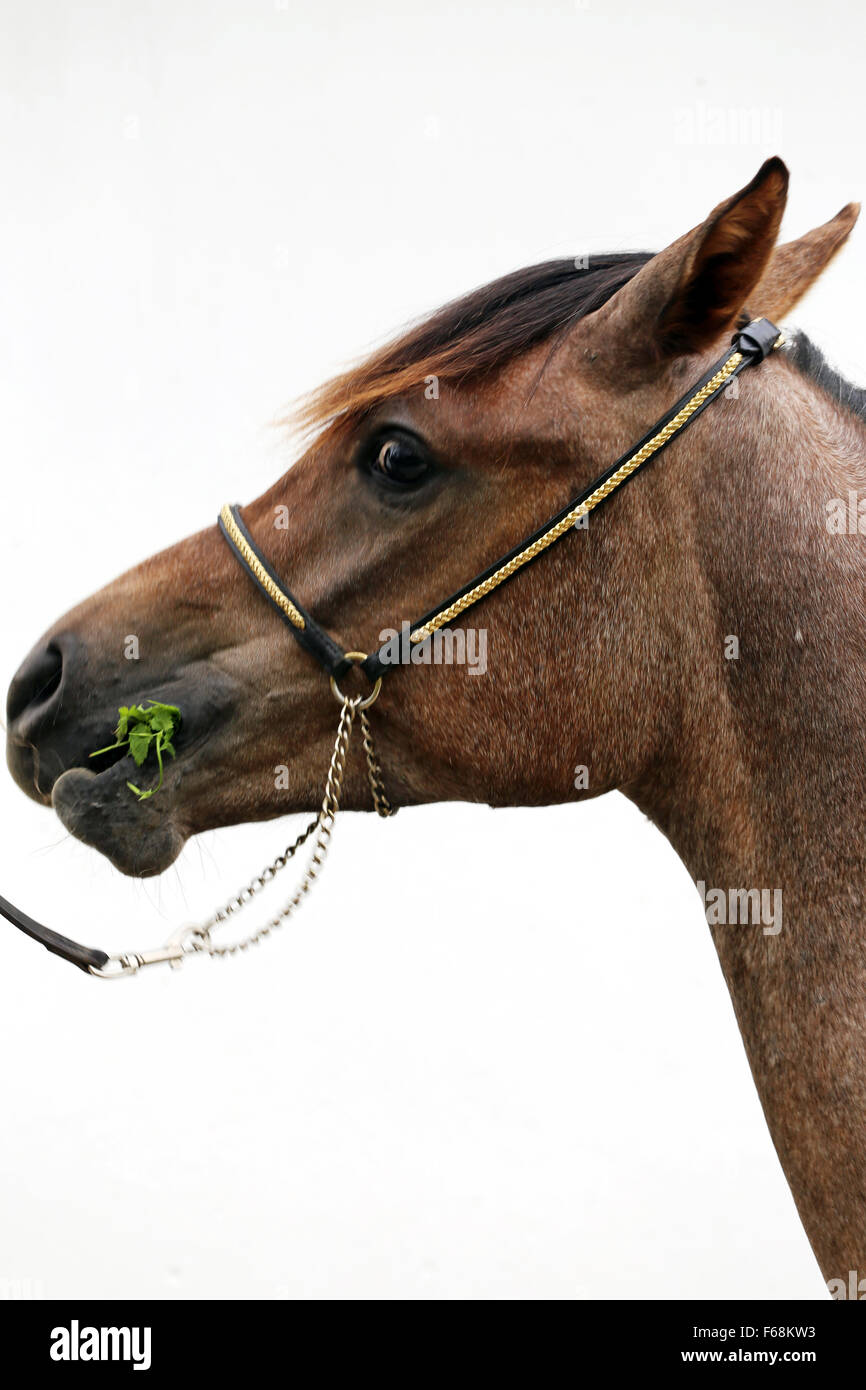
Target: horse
700, 645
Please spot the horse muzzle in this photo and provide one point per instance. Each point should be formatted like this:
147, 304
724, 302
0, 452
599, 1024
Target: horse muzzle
63, 704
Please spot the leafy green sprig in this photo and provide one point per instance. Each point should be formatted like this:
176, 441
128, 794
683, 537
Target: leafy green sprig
142, 729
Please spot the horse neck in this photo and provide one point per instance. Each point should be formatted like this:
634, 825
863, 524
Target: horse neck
762, 789
769, 734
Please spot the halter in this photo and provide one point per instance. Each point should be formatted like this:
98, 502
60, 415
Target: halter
749, 347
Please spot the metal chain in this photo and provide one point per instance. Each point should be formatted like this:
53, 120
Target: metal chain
374, 771
246, 895
200, 938
380, 802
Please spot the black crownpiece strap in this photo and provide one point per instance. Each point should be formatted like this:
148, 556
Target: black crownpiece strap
749, 346
82, 956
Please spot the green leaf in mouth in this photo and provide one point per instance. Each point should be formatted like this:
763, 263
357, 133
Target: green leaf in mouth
143, 729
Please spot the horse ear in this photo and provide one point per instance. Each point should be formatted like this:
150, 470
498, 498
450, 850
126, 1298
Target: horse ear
688, 295
794, 267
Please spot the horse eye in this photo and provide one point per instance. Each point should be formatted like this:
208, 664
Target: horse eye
400, 461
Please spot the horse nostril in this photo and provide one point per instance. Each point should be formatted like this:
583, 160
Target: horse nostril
35, 683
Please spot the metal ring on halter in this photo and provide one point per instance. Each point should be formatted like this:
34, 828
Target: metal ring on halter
368, 700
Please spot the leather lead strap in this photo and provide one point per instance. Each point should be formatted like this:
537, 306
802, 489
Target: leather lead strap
82, 956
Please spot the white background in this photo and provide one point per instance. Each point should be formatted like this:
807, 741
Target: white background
521, 1077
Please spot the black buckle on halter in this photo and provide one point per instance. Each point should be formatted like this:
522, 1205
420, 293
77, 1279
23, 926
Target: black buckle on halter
758, 339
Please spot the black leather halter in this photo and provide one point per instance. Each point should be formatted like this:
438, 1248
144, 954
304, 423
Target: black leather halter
752, 344
749, 347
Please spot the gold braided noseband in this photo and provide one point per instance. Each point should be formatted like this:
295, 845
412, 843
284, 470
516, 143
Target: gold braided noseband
253, 562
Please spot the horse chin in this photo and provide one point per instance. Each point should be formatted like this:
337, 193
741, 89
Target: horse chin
139, 838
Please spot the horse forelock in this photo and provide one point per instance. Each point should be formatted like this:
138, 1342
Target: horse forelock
477, 333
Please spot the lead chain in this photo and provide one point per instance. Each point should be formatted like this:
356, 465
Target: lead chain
246, 895
374, 771
200, 938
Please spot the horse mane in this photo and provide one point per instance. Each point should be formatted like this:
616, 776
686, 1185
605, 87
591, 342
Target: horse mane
810, 360
488, 327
